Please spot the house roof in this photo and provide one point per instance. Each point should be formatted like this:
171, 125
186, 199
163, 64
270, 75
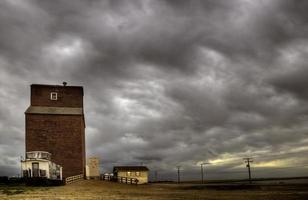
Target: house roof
130, 168
54, 110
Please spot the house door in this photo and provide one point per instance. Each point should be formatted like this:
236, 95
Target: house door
35, 169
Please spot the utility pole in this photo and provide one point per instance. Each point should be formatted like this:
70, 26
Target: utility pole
248, 161
21, 171
202, 172
178, 167
155, 175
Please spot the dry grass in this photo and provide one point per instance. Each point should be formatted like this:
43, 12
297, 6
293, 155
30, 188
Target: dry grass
92, 189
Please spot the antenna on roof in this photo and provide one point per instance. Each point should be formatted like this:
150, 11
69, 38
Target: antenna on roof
64, 83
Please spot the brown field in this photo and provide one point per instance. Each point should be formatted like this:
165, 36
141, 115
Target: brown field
91, 189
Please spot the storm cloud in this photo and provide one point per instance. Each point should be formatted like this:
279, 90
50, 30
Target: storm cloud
166, 83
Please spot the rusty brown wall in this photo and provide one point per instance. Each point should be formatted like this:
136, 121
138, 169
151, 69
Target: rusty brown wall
67, 96
61, 135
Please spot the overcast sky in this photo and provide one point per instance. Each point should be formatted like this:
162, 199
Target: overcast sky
166, 83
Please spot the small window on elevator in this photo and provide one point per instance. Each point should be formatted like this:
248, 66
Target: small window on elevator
53, 96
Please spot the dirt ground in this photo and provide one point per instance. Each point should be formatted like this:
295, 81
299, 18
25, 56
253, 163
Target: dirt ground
91, 189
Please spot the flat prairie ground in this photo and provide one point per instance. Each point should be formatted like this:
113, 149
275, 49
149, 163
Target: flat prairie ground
95, 189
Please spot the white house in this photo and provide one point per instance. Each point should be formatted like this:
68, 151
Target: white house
38, 164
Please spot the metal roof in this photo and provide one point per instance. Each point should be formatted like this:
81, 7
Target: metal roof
45, 85
54, 110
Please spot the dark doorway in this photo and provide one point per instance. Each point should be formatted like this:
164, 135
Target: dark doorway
35, 169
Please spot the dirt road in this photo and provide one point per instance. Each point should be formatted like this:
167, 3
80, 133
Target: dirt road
91, 189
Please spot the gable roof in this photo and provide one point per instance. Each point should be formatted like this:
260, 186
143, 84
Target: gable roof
130, 168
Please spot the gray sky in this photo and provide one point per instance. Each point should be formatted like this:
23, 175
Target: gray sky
166, 83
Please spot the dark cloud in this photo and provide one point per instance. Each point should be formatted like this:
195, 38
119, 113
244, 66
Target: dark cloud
166, 82
293, 82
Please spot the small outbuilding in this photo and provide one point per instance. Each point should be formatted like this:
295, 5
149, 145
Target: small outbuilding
92, 168
132, 172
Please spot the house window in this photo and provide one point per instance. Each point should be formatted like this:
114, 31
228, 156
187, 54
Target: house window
128, 173
42, 173
137, 173
53, 96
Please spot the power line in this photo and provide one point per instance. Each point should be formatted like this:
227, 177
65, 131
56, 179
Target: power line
234, 159
256, 170
264, 168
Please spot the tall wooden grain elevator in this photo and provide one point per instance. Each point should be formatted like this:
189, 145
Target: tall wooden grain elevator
55, 123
